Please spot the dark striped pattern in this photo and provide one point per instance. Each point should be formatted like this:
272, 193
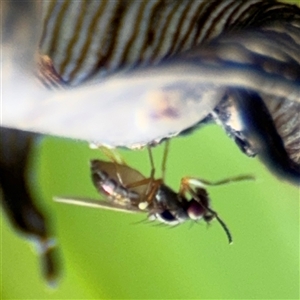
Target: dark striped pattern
88, 37
286, 116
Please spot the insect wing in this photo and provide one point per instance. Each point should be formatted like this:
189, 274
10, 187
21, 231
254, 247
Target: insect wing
97, 204
128, 175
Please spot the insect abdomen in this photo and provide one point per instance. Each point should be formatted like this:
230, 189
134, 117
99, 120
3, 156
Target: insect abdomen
111, 188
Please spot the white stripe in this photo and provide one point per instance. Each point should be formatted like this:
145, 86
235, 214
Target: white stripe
49, 27
66, 33
45, 8
158, 31
194, 6
97, 48
125, 32
139, 41
219, 26
79, 44
244, 6
172, 29
211, 20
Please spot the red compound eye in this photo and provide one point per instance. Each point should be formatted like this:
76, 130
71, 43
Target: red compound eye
195, 210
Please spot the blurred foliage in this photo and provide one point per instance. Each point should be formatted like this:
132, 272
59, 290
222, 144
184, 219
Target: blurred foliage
106, 255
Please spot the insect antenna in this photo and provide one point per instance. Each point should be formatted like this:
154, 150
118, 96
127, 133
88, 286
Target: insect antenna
222, 223
188, 188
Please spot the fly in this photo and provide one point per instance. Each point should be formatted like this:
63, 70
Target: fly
127, 190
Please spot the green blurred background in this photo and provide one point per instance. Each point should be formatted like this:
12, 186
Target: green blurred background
107, 255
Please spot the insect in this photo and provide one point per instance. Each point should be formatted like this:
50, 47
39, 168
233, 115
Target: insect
127, 190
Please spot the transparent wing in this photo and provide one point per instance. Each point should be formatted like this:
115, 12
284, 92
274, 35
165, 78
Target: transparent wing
97, 204
123, 174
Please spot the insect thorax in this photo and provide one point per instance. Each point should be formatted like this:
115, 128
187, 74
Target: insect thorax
171, 204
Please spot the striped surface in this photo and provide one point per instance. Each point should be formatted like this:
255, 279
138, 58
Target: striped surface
88, 37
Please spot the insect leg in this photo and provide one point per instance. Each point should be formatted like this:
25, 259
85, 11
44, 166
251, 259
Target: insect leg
202, 183
164, 161
149, 193
138, 183
151, 162
152, 172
